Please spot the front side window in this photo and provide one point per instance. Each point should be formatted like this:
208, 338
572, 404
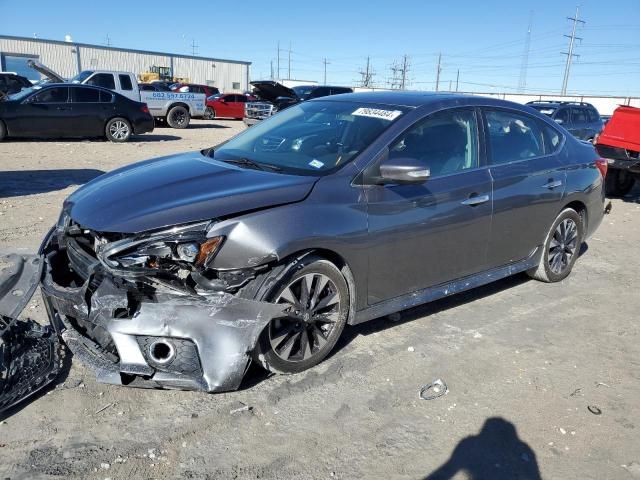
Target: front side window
563, 115
82, 76
106, 97
513, 137
125, 82
311, 138
579, 115
51, 95
447, 142
104, 80
85, 95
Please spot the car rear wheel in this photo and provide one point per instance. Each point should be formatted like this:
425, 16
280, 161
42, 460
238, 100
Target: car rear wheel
3, 131
561, 247
178, 117
618, 183
316, 297
209, 113
118, 130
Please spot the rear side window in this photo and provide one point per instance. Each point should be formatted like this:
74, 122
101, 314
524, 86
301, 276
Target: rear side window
552, 139
125, 82
513, 137
106, 97
104, 80
85, 95
52, 95
593, 115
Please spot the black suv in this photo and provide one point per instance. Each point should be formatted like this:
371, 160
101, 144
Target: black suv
580, 118
12, 83
273, 97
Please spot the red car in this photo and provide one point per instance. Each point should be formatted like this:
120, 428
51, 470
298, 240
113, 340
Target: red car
619, 142
229, 105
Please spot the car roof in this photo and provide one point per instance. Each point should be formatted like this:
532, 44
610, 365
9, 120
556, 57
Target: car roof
559, 103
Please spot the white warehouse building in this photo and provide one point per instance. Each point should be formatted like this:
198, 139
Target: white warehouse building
69, 58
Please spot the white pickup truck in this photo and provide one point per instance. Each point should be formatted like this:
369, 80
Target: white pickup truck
176, 108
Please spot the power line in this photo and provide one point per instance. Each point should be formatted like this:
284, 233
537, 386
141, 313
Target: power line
572, 39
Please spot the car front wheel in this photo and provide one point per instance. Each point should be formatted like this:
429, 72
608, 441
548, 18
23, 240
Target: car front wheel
561, 247
118, 130
209, 113
316, 297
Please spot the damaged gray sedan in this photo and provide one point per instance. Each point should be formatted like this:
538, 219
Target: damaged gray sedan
178, 272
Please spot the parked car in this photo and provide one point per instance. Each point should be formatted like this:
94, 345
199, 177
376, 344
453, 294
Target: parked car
175, 108
207, 90
68, 110
274, 97
177, 272
12, 83
619, 142
580, 118
229, 105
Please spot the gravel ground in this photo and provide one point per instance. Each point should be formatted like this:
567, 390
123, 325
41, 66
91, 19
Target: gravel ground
523, 362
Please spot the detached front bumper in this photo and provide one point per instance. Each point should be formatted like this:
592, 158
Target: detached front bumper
152, 340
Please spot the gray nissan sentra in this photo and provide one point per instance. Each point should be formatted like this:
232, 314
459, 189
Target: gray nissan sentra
177, 272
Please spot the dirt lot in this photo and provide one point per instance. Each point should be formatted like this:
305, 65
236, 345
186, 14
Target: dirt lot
523, 360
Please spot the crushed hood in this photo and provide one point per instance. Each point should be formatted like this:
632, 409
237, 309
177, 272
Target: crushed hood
178, 189
270, 90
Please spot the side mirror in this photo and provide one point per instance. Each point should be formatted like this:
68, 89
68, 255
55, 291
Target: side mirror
403, 170
559, 121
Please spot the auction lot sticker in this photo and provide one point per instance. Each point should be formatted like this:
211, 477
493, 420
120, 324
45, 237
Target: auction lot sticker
377, 113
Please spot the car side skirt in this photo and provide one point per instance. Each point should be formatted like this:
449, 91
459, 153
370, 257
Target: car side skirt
446, 289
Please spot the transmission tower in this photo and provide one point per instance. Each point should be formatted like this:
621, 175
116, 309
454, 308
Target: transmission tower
522, 82
570, 55
400, 74
366, 75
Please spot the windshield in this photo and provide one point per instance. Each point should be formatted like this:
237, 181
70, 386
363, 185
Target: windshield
82, 76
303, 91
311, 138
549, 111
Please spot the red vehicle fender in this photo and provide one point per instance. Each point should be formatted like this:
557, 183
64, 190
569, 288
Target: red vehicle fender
623, 130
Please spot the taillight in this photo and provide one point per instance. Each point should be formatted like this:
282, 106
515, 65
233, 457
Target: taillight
602, 165
144, 108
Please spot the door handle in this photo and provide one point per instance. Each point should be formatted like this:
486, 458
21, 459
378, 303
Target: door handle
474, 200
63, 108
551, 184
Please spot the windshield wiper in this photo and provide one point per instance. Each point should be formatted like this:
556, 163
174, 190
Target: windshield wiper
247, 162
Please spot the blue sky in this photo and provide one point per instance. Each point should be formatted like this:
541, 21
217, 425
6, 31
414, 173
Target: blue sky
484, 40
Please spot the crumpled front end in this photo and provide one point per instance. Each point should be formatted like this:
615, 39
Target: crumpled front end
132, 331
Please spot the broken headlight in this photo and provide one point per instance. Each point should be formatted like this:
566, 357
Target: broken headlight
178, 250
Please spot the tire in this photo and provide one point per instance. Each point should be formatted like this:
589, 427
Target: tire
178, 117
3, 131
303, 339
118, 130
561, 248
618, 183
209, 113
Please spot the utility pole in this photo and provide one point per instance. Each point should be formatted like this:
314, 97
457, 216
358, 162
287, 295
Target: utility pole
522, 82
278, 60
450, 84
271, 70
107, 41
194, 48
457, 79
405, 71
289, 74
366, 75
438, 70
325, 62
572, 40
